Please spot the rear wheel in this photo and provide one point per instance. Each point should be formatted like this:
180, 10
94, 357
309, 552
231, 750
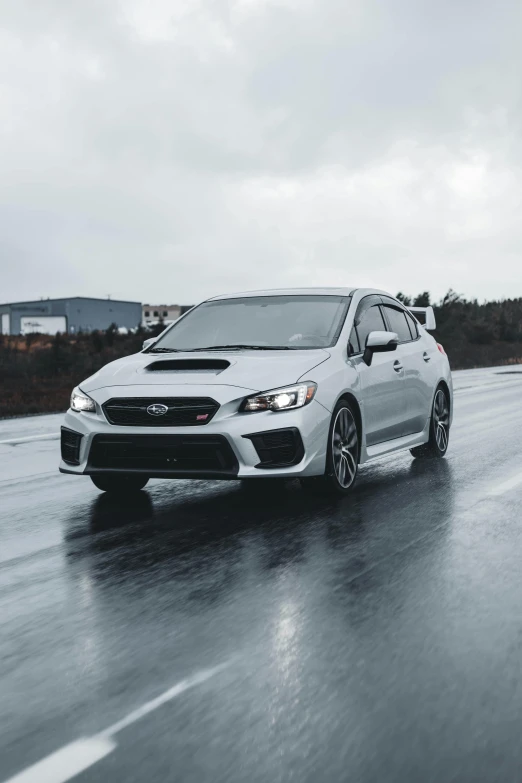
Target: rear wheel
119, 483
342, 457
437, 445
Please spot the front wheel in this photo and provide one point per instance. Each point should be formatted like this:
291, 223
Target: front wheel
437, 445
119, 483
342, 456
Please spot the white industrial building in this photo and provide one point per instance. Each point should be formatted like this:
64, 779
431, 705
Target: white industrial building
154, 314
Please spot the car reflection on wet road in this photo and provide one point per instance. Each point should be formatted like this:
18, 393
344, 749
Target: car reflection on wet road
372, 638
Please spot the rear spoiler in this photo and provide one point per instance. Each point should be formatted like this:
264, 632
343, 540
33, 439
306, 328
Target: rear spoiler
427, 318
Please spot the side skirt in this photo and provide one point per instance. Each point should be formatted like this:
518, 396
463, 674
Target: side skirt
397, 444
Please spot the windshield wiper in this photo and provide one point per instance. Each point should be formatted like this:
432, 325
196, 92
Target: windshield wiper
242, 348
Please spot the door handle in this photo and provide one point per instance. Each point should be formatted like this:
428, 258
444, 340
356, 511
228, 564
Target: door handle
397, 366
426, 357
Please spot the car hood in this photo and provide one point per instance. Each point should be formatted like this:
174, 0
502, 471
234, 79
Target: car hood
250, 370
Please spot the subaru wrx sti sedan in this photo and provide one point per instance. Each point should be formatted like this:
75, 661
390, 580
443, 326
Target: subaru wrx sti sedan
293, 384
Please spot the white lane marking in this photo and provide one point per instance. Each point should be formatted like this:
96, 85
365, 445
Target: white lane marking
23, 479
471, 391
28, 438
152, 705
506, 486
69, 761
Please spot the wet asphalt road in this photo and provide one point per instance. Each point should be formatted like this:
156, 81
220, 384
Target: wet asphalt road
377, 638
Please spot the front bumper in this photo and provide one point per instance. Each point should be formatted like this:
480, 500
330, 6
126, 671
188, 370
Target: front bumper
241, 445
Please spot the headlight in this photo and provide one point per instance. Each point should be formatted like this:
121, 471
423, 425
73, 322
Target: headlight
281, 399
81, 402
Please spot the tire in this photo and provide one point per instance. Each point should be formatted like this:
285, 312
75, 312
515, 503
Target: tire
119, 483
342, 455
437, 445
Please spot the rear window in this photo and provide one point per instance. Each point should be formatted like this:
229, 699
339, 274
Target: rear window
412, 323
398, 323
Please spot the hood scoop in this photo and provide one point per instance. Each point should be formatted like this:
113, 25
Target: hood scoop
189, 365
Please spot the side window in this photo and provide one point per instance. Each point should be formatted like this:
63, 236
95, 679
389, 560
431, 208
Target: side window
371, 321
412, 323
398, 323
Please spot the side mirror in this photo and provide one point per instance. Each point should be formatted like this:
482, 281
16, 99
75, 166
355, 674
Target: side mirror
148, 343
379, 342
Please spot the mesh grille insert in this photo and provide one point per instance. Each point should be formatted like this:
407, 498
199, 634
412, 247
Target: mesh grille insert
160, 411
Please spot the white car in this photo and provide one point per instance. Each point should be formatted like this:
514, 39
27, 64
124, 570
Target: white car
304, 383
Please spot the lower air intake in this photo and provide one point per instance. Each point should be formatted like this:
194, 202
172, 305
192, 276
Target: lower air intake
70, 442
278, 448
164, 456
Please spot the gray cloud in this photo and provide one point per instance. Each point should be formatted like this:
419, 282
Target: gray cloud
169, 151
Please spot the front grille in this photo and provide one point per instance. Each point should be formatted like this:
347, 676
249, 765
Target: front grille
181, 411
164, 455
70, 442
278, 448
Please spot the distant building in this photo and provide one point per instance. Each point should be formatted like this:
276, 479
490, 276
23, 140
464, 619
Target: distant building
72, 315
153, 314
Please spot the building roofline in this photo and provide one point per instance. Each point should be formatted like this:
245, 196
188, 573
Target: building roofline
69, 298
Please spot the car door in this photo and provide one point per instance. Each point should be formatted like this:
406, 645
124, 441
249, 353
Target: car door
382, 384
418, 381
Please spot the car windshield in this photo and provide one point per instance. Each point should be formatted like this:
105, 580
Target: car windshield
260, 322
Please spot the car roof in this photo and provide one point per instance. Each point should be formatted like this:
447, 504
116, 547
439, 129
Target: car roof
325, 291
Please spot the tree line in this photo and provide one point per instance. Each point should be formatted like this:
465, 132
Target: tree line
38, 372
473, 333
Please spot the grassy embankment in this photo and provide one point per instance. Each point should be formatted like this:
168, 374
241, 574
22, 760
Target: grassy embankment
38, 372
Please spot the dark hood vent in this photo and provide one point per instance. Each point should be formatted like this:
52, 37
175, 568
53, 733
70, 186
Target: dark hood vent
188, 365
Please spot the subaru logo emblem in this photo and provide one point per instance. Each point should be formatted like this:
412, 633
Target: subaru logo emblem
157, 409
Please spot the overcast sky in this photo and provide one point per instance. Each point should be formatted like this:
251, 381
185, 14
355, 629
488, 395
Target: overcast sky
168, 150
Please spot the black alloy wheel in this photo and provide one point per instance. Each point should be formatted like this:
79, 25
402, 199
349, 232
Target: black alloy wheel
437, 445
342, 457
